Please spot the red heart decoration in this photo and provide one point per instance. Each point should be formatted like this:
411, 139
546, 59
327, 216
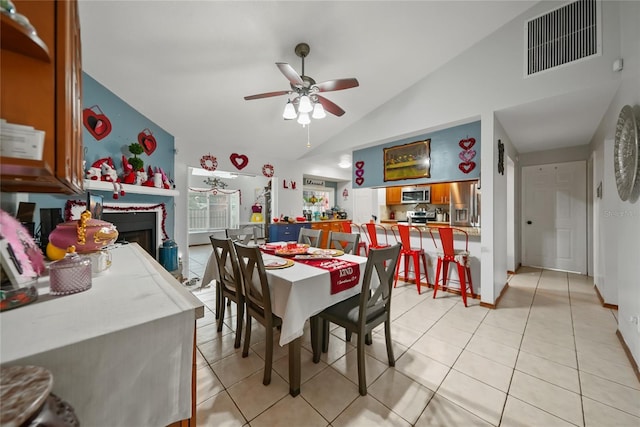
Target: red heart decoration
97, 124
148, 141
359, 164
467, 155
467, 167
360, 173
359, 180
467, 143
239, 160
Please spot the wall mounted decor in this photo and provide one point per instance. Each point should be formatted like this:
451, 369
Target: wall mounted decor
268, 170
240, 161
96, 122
626, 153
500, 157
467, 154
148, 141
359, 172
209, 162
408, 161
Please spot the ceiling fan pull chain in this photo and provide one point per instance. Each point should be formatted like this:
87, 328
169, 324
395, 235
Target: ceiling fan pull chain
308, 137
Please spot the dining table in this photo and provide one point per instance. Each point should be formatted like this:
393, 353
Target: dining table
298, 292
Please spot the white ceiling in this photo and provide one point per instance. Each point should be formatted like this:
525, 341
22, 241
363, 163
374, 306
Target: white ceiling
188, 64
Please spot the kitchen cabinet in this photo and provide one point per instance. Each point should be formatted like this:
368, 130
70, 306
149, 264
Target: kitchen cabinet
41, 86
326, 227
394, 196
440, 194
286, 232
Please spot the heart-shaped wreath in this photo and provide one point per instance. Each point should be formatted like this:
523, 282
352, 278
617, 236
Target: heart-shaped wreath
268, 170
209, 162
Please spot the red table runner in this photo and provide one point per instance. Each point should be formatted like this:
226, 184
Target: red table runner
344, 274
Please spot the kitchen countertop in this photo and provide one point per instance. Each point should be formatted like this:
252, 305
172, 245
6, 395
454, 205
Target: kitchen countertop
471, 231
311, 222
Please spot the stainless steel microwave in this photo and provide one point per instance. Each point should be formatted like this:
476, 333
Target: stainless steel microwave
415, 195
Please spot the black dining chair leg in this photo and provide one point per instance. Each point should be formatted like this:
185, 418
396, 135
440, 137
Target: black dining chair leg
247, 336
218, 298
362, 377
222, 309
387, 336
239, 317
325, 336
368, 340
347, 335
268, 354
316, 337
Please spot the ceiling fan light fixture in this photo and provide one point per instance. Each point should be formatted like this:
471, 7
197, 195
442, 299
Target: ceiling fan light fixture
318, 111
305, 104
304, 119
289, 111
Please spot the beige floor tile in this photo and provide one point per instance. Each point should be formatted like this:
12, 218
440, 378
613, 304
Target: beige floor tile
219, 410
307, 369
288, 412
520, 414
208, 319
443, 413
500, 335
338, 347
459, 321
555, 353
235, 368
608, 370
402, 334
613, 354
207, 384
348, 366
443, 331
402, 395
597, 414
476, 397
417, 319
505, 319
378, 347
485, 370
219, 348
210, 333
547, 370
253, 397
493, 350
612, 394
546, 396
329, 393
201, 362
366, 411
422, 369
278, 350
553, 336
437, 349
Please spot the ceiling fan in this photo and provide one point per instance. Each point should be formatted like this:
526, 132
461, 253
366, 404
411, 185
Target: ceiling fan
305, 91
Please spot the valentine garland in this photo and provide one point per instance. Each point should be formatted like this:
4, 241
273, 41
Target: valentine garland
215, 191
71, 203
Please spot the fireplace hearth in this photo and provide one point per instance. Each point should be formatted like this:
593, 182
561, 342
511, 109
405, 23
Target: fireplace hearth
136, 227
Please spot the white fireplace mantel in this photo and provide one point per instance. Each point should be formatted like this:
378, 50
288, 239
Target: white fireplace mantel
90, 184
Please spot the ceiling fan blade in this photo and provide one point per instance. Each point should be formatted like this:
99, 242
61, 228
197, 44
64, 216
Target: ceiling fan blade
330, 107
290, 74
267, 94
338, 84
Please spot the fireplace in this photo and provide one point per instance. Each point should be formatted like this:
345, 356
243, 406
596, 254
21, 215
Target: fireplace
136, 227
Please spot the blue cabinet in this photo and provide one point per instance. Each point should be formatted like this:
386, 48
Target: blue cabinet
285, 232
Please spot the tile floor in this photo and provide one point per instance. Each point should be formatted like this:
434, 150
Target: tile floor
548, 356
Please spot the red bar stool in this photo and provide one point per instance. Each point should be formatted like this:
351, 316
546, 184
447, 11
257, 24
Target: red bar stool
450, 255
350, 227
402, 235
372, 230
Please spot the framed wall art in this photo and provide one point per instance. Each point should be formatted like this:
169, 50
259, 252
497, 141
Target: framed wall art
408, 161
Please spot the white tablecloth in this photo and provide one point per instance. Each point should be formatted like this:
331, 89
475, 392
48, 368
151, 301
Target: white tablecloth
121, 352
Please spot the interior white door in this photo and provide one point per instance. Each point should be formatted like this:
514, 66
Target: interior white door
554, 215
362, 205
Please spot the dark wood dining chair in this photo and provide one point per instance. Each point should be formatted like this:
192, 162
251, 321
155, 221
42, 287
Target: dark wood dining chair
346, 242
243, 235
230, 283
361, 313
310, 236
258, 301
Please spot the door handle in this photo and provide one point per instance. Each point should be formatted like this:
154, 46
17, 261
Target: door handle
529, 222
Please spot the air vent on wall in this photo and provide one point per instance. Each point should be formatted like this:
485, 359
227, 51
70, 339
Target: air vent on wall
566, 34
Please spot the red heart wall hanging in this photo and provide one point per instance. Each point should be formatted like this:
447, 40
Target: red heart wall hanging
359, 173
467, 155
359, 180
467, 167
148, 141
239, 160
96, 122
467, 143
359, 164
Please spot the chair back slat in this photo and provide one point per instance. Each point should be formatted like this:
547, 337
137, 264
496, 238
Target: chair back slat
446, 239
310, 237
228, 271
256, 283
383, 262
346, 242
243, 235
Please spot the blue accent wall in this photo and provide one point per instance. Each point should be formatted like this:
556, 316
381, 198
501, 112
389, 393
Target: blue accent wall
445, 158
126, 124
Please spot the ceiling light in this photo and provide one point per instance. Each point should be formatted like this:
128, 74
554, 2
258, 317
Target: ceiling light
289, 111
305, 104
345, 161
304, 119
318, 111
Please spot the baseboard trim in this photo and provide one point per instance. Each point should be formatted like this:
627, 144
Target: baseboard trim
634, 365
604, 304
494, 306
511, 273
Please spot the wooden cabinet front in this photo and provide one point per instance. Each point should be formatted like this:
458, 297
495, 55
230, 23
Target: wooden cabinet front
440, 194
326, 227
285, 232
44, 92
394, 196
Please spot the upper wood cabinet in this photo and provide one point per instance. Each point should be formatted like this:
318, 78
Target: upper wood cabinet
41, 86
440, 194
394, 196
